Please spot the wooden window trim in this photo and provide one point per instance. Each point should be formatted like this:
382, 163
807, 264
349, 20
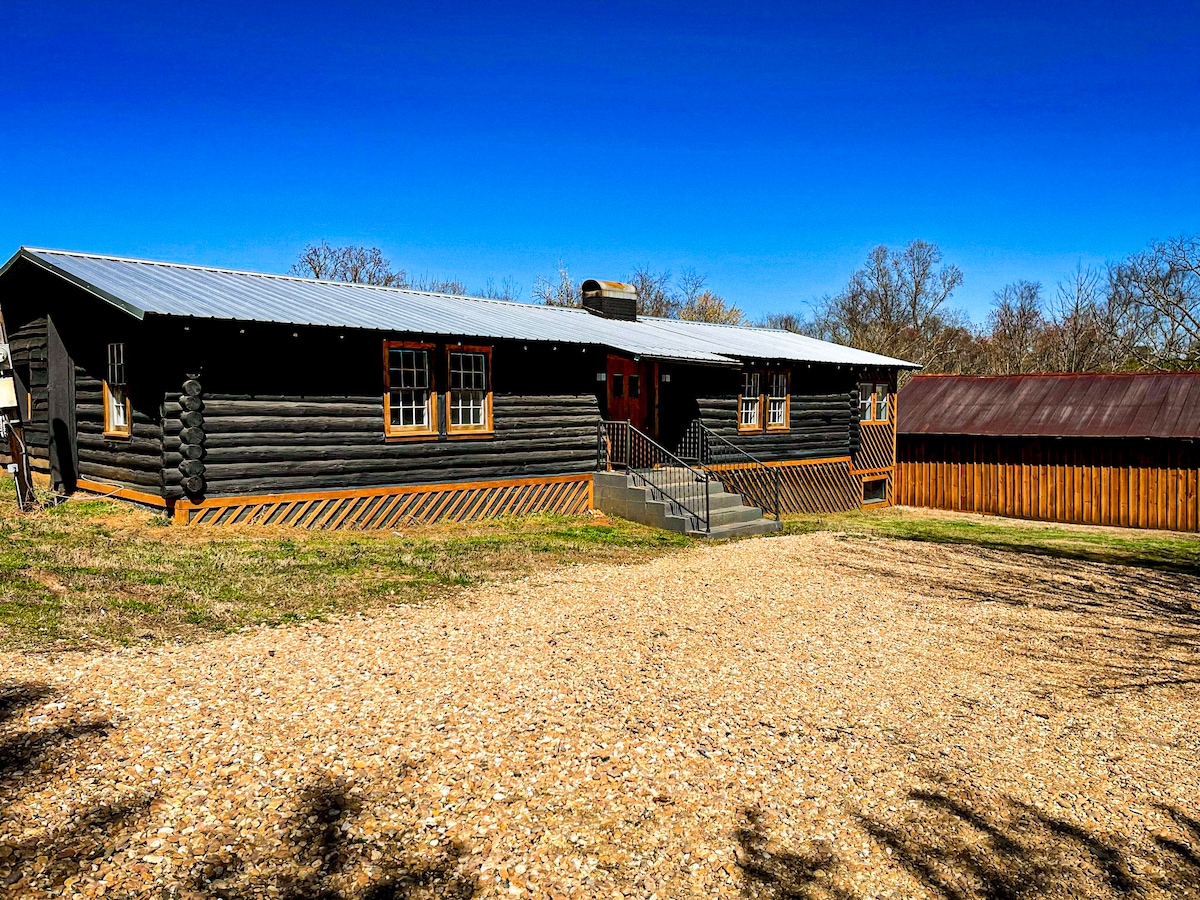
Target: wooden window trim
787, 402
469, 432
116, 432
400, 433
757, 427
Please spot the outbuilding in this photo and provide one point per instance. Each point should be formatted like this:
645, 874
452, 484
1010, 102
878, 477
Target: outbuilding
1096, 449
225, 396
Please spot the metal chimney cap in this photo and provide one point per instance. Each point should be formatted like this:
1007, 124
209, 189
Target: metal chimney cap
594, 287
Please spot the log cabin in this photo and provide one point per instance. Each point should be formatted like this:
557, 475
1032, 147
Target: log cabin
222, 396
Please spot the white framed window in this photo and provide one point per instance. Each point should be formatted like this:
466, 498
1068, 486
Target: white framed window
410, 404
469, 398
881, 403
750, 402
866, 402
118, 414
778, 400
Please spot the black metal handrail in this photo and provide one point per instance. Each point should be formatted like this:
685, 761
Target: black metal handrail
738, 471
668, 478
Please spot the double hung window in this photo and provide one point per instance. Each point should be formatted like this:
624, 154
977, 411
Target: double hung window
118, 414
750, 402
470, 397
778, 401
873, 402
764, 403
420, 380
410, 405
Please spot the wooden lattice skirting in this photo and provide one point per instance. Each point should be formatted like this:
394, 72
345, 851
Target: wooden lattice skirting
808, 486
378, 508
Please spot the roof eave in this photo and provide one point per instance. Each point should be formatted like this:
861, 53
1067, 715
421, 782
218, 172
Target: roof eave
32, 257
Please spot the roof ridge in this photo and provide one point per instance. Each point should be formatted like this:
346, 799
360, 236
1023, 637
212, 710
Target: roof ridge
222, 270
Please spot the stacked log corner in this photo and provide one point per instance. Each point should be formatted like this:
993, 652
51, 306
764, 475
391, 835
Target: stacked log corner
185, 455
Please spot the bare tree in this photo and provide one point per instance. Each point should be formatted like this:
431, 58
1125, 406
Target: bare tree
895, 305
709, 307
507, 289
1154, 305
559, 291
655, 296
784, 322
1015, 328
1075, 336
358, 265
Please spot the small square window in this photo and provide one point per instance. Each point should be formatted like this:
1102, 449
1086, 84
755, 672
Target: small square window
875, 490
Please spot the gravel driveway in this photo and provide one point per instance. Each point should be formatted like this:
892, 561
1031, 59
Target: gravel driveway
807, 716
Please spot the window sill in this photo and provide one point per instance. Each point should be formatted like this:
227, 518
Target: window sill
117, 435
415, 437
470, 435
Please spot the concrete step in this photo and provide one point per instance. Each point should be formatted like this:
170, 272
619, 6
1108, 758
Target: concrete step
741, 529
730, 514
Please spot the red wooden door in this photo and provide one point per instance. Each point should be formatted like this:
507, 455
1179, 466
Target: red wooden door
631, 393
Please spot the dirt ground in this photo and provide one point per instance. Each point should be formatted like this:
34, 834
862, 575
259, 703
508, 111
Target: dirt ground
804, 716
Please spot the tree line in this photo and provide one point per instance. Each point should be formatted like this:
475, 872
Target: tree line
1140, 313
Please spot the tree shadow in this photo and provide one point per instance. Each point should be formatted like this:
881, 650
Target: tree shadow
1130, 629
27, 761
325, 850
809, 873
960, 845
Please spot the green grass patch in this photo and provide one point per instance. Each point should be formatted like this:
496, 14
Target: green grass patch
101, 571
1128, 547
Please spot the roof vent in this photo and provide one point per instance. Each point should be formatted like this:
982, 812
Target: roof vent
610, 299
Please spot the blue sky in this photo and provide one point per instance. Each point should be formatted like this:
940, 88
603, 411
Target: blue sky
767, 145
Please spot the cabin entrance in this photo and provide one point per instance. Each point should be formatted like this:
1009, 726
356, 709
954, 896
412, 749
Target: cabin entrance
630, 387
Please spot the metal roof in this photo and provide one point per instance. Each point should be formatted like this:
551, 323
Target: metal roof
143, 287
1163, 405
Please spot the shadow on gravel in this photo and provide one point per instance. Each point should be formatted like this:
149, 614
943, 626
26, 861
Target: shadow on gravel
324, 852
321, 852
960, 847
26, 761
1131, 629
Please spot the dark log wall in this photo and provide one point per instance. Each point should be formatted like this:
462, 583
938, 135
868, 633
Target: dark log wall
30, 301
136, 462
303, 410
28, 342
824, 410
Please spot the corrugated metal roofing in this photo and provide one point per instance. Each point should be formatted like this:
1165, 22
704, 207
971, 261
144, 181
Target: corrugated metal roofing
1053, 405
142, 287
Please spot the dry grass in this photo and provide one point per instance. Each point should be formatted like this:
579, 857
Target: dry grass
824, 715
97, 573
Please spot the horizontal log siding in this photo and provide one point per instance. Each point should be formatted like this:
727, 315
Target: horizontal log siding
29, 345
256, 445
1126, 482
136, 462
821, 426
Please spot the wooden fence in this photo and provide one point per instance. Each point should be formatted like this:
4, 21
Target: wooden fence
1134, 482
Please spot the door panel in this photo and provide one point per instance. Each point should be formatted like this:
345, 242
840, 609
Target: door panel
631, 393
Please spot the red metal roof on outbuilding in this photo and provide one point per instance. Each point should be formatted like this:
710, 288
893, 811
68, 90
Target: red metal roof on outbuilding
1152, 404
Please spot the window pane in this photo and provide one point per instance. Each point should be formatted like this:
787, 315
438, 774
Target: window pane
748, 414
618, 384
408, 377
865, 403
881, 402
118, 413
116, 364
777, 411
468, 390
634, 387
468, 372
